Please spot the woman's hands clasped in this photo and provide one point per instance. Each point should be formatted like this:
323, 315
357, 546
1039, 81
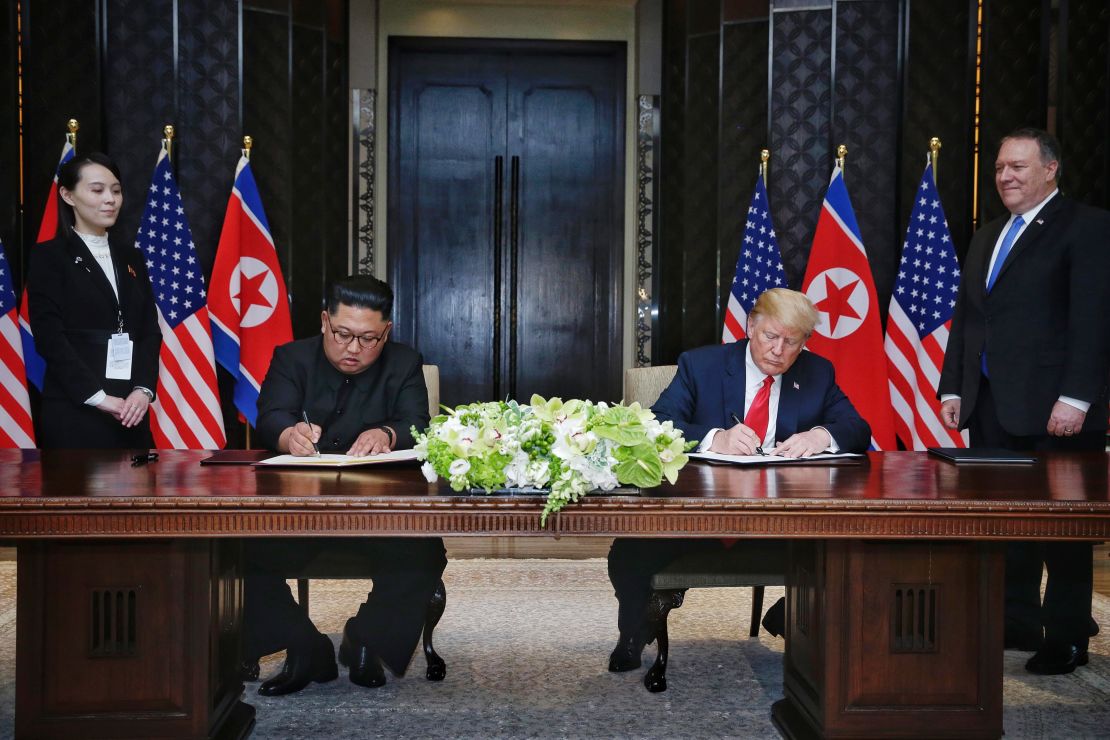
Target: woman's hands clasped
127, 411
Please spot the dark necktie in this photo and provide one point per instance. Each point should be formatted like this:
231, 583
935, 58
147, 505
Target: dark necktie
757, 416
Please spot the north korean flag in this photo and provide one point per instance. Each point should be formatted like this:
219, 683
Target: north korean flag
247, 301
849, 333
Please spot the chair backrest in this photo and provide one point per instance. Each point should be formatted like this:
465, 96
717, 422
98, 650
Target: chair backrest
645, 384
431, 379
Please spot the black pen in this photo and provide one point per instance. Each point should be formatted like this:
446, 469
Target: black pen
304, 415
758, 448
143, 459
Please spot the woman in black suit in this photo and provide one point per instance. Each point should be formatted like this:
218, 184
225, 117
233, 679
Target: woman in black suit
93, 317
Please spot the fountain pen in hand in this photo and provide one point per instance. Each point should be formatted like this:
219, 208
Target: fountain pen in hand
315, 447
758, 448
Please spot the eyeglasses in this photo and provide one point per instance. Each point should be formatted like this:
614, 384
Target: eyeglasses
344, 338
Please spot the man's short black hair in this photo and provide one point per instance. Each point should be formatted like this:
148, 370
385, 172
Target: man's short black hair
1047, 143
360, 291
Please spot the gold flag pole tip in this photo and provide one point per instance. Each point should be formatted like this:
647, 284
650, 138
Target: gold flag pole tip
247, 143
167, 140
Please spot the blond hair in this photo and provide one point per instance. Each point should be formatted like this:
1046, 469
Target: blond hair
788, 307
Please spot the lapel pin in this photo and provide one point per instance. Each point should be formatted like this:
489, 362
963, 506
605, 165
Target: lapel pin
131, 271
796, 386
1040, 221
77, 260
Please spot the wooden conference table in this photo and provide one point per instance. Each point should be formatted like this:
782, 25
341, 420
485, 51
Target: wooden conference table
130, 594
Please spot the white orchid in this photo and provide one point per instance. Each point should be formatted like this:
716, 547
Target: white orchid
573, 447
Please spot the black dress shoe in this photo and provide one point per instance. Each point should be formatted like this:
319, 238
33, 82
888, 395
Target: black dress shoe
626, 655
364, 668
774, 621
302, 666
1056, 659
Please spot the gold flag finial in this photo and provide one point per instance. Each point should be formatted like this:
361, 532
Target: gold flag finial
841, 153
167, 141
247, 143
71, 132
764, 158
934, 150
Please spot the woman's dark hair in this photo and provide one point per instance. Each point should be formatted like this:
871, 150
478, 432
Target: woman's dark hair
69, 174
360, 291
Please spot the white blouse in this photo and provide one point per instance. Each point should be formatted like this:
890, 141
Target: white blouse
98, 245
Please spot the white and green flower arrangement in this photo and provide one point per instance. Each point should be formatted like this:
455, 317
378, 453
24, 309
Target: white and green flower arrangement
570, 448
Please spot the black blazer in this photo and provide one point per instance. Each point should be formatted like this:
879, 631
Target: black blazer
73, 313
391, 392
1044, 326
709, 386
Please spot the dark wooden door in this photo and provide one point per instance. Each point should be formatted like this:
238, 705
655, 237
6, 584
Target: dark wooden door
505, 214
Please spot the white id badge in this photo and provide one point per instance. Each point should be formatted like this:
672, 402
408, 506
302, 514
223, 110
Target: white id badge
120, 350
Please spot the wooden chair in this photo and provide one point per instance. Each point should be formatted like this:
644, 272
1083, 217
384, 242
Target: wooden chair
747, 563
340, 568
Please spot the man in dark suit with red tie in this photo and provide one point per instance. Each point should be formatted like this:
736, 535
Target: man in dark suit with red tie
790, 405
1026, 369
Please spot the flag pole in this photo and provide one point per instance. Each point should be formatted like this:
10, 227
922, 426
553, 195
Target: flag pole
248, 142
934, 151
167, 141
841, 153
71, 132
764, 158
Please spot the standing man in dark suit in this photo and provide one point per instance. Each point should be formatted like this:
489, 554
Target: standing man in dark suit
790, 405
1026, 369
361, 394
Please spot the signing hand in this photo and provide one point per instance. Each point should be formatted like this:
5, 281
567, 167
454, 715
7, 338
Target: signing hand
1065, 420
298, 439
736, 440
370, 442
134, 408
950, 413
804, 444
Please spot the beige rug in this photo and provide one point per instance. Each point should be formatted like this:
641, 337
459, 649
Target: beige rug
526, 644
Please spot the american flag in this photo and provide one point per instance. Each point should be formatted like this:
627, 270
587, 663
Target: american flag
758, 266
920, 316
16, 429
187, 413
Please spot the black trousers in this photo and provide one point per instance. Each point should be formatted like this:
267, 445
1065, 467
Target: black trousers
1066, 611
405, 572
632, 563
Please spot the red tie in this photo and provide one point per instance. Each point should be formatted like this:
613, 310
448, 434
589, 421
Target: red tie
756, 420
757, 416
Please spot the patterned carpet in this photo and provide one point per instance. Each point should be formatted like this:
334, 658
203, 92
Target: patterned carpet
526, 644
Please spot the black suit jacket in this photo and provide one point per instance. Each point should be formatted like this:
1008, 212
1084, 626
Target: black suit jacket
709, 387
391, 392
73, 313
1044, 326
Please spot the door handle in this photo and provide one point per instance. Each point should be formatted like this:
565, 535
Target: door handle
514, 245
498, 187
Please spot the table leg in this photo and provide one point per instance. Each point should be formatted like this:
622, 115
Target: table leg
129, 639
893, 639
